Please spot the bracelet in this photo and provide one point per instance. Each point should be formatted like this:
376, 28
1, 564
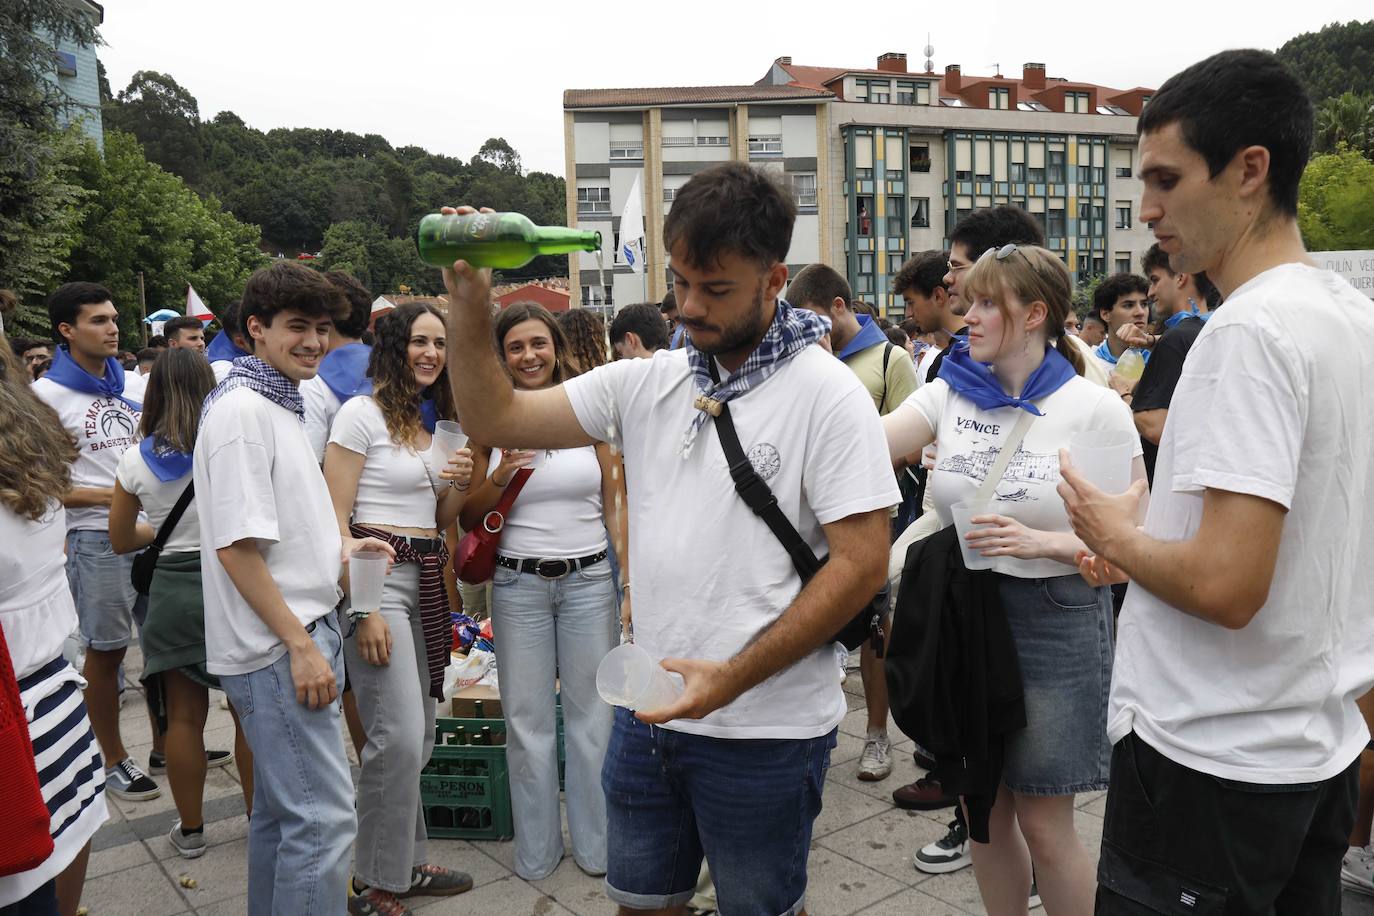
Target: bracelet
463, 489
355, 615
625, 587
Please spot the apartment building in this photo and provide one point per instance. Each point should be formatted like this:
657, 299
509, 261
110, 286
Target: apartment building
882, 163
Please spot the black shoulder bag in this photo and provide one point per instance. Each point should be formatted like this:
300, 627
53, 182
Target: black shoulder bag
868, 623
145, 561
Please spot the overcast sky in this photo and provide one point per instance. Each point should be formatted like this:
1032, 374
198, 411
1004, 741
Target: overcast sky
447, 75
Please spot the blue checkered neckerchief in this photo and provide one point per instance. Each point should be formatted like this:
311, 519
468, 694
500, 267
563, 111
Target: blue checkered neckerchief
251, 372
792, 331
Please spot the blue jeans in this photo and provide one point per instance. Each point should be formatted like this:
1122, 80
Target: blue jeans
545, 626
748, 805
104, 596
302, 829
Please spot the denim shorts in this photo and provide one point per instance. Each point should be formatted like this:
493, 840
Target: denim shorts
748, 805
104, 596
1062, 628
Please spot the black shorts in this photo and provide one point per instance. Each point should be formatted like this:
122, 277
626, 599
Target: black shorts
1179, 841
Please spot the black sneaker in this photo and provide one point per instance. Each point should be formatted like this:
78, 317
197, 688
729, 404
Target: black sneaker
157, 762
125, 780
947, 854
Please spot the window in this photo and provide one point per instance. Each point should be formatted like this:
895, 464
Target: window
865, 215
1076, 102
66, 63
713, 141
913, 93
602, 296
1123, 214
593, 201
669, 194
865, 262
1018, 171
920, 158
804, 189
999, 98
765, 146
963, 160
896, 218
1123, 262
1054, 227
1121, 162
627, 149
1056, 169
920, 212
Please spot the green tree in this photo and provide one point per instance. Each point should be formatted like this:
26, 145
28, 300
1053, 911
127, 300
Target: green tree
1347, 119
144, 219
1336, 202
165, 118
1337, 59
38, 194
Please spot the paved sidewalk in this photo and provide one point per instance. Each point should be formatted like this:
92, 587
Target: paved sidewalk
860, 857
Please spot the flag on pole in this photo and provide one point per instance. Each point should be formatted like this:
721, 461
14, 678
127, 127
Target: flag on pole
632, 227
195, 308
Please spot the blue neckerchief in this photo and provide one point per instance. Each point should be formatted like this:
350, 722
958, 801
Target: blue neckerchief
792, 331
223, 348
165, 462
344, 370
1104, 352
1192, 312
870, 335
251, 372
429, 414
975, 381
68, 374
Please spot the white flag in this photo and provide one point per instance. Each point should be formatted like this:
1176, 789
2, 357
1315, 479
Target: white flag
195, 308
632, 227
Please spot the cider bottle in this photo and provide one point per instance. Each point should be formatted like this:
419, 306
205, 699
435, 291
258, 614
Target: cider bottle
505, 240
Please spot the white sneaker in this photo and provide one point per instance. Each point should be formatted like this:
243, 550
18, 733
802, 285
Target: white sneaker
1357, 869
876, 762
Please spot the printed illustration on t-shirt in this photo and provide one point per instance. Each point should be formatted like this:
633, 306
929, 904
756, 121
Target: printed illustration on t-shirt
766, 460
976, 450
109, 424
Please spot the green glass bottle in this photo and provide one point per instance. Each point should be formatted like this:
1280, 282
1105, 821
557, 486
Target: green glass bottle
477, 711
504, 240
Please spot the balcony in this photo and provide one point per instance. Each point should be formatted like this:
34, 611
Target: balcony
920, 165
627, 149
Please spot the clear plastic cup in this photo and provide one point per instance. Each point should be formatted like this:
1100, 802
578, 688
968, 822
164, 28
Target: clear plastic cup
1104, 457
541, 457
448, 438
628, 676
366, 577
963, 513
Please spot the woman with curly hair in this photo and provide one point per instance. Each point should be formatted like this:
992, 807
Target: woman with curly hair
151, 479
377, 466
553, 609
586, 334
36, 615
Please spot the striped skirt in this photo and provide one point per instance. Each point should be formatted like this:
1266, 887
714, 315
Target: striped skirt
70, 771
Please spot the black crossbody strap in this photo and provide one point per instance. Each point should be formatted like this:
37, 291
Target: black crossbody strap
757, 496
170, 522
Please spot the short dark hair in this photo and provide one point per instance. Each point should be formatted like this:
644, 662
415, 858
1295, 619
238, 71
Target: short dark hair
669, 303
288, 286
21, 344
818, 284
1093, 316
158, 342
148, 355
229, 318
645, 320
64, 303
359, 303
1237, 99
176, 325
1116, 286
925, 273
896, 335
1154, 257
731, 208
911, 327
993, 227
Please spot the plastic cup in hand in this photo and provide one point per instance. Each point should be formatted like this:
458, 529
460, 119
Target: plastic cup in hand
1104, 457
963, 513
541, 457
366, 576
448, 438
628, 676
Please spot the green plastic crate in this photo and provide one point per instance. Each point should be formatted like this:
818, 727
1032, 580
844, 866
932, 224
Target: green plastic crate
465, 790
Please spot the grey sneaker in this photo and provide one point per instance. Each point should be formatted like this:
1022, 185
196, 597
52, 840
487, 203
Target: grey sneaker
125, 780
1357, 869
949, 853
876, 762
188, 846
376, 902
437, 881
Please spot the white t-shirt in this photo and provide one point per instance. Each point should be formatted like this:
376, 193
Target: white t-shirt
970, 439
158, 498
1272, 402
397, 486
221, 368
36, 608
708, 574
558, 512
1094, 369
321, 407
103, 428
256, 477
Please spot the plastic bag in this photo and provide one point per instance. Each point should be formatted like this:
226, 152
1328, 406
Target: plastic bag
466, 670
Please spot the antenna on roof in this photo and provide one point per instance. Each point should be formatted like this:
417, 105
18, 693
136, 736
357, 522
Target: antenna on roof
997, 69
929, 52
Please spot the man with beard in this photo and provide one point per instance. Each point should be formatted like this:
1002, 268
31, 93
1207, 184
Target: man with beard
736, 766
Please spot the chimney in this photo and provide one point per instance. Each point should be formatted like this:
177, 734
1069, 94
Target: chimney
892, 62
1033, 75
785, 61
952, 77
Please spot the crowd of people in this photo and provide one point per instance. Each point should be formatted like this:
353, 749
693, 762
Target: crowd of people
1193, 644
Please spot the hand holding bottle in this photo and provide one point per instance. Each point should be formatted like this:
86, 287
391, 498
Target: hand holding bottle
468, 286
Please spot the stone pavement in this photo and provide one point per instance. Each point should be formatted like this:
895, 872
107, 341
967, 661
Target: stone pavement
860, 857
